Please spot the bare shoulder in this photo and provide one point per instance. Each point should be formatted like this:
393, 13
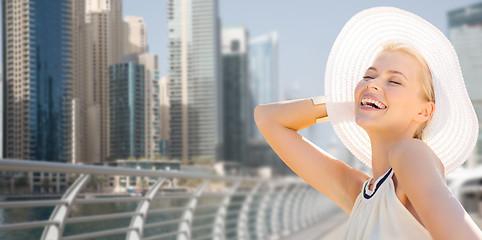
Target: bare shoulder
420, 175
408, 155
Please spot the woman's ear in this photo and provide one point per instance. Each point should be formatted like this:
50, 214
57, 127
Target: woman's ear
426, 111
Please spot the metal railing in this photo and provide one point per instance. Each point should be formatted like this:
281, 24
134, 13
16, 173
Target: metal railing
173, 205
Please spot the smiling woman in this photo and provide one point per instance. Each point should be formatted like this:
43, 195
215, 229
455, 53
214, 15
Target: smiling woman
425, 81
416, 81
395, 96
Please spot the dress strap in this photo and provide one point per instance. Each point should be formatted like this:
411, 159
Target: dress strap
367, 193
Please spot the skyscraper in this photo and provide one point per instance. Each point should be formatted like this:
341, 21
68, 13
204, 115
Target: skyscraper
465, 33
263, 74
106, 38
37, 73
152, 107
165, 117
127, 108
195, 88
136, 36
235, 93
1, 115
81, 83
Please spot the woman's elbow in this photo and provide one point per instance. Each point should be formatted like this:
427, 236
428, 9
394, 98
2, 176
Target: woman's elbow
260, 113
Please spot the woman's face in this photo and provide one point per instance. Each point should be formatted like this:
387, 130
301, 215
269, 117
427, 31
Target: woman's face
390, 95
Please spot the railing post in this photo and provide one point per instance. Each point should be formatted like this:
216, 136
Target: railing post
312, 206
316, 206
288, 226
301, 210
309, 207
261, 226
219, 226
139, 219
275, 212
319, 206
187, 216
243, 226
295, 213
54, 232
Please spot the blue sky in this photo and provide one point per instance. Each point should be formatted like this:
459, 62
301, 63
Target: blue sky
306, 29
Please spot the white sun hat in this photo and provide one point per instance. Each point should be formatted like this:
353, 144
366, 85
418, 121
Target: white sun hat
452, 132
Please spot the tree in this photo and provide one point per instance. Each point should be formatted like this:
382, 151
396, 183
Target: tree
21, 183
160, 157
71, 180
203, 161
99, 182
143, 184
185, 161
45, 184
189, 182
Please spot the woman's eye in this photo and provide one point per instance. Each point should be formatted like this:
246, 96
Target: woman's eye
395, 82
365, 77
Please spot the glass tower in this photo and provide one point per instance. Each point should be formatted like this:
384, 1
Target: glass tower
152, 101
235, 89
195, 88
37, 72
263, 74
127, 110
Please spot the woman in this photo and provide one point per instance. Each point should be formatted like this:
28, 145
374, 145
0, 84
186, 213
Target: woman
396, 98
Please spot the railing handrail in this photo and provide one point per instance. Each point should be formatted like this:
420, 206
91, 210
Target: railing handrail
42, 166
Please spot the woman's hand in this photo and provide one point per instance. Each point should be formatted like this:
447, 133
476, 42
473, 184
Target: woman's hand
279, 122
294, 114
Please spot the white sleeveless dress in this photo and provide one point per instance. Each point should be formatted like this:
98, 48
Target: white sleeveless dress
379, 214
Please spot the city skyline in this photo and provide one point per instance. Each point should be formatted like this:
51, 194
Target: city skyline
304, 42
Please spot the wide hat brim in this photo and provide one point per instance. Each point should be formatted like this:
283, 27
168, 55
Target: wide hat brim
452, 132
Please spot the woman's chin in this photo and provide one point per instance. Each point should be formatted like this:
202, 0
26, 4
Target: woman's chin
367, 123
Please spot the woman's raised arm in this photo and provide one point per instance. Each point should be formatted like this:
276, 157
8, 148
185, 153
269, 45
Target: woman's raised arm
279, 122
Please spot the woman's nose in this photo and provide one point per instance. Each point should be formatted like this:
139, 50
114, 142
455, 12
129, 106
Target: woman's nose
372, 84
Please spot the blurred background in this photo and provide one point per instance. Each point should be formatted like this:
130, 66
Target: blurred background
172, 85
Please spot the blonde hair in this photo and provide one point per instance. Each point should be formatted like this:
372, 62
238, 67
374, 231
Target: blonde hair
427, 85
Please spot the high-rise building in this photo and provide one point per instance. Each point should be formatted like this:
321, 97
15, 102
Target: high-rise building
235, 93
194, 73
81, 83
165, 117
136, 36
38, 75
263, 75
465, 33
152, 107
1, 115
127, 110
104, 18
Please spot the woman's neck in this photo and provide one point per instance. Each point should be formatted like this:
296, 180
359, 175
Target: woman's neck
381, 147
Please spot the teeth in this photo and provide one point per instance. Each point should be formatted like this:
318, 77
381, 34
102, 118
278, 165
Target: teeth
377, 103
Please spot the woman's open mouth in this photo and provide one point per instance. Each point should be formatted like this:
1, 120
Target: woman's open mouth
371, 104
